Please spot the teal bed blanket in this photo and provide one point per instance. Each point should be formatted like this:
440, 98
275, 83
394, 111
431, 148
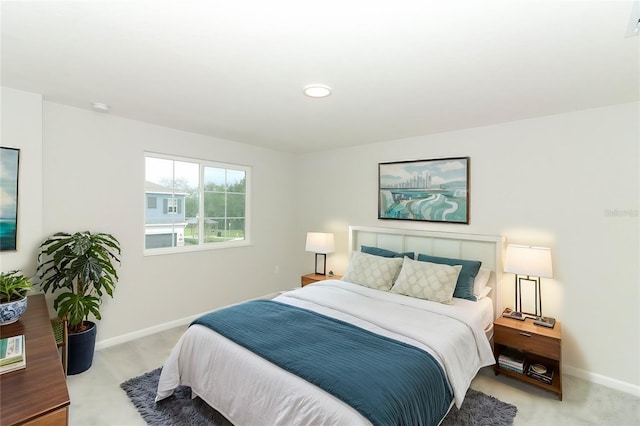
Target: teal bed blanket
387, 381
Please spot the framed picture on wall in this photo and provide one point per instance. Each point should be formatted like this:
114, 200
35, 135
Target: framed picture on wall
9, 194
425, 190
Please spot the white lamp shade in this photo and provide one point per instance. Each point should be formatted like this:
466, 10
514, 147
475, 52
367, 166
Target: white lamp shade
320, 242
530, 261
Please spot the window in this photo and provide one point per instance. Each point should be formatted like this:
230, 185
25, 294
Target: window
194, 204
171, 205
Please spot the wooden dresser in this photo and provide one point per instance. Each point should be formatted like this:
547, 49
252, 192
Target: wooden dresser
38, 394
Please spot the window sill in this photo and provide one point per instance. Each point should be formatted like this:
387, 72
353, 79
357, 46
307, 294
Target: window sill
191, 249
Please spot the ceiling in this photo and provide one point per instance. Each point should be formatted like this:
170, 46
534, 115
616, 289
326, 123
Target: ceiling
236, 69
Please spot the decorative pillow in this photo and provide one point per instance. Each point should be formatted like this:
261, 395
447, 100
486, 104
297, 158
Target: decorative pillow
386, 253
425, 280
481, 281
372, 271
470, 268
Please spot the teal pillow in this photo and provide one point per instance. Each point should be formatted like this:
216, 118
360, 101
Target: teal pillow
386, 253
470, 268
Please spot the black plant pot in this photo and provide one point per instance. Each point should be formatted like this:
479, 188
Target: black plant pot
81, 347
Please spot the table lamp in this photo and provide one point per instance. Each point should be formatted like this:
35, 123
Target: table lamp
320, 243
529, 264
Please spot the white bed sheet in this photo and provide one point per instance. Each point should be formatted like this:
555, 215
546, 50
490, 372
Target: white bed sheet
484, 309
223, 373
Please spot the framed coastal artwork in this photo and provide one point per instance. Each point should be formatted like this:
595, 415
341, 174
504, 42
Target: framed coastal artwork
8, 198
425, 190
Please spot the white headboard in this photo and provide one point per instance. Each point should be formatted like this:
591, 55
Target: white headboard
485, 248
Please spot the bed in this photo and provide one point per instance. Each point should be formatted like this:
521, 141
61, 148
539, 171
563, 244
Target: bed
223, 357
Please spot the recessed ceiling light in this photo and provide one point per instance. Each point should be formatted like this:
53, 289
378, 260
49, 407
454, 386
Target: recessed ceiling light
100, 107
317, 91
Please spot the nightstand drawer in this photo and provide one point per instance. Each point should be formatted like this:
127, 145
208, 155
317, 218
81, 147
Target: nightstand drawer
527, 341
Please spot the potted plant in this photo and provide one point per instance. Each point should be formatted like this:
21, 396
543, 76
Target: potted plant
80, 269
14, 287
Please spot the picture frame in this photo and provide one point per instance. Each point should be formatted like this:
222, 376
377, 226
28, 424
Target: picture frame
9, 164
434, 190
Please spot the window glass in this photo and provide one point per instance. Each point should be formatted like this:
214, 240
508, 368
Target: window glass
194, 204
214, 178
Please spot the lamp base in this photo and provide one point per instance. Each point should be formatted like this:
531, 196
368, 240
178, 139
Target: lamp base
509, 313
545, 321
321, 264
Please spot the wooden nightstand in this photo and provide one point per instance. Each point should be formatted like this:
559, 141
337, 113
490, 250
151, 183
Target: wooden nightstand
540, 345
314, 278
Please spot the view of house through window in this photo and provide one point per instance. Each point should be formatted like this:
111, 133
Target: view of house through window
194, 204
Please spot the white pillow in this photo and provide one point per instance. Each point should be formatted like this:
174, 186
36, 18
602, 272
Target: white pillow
372, 271
426, 280
484, 292
481, 281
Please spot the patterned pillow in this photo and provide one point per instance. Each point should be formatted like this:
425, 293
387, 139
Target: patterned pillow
372, 271
470, 268
425, 280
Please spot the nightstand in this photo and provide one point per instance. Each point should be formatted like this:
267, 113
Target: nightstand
541, 345
314, 278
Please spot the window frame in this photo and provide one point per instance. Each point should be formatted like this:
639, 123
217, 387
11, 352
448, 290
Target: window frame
201, 246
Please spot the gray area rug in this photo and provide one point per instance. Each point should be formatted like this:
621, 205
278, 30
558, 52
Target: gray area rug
478, 408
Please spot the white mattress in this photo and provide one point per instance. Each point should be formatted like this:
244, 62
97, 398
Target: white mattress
249, 390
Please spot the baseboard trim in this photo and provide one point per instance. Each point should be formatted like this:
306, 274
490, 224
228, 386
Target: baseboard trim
602, 380
124, 338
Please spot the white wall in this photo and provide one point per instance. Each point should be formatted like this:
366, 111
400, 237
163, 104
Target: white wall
22, 128
94, 180
550, 181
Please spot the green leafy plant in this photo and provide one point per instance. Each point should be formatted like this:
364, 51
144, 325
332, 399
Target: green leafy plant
82, 266
13, 286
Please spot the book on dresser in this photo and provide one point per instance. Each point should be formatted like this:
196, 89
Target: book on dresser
513, 360
12, 354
